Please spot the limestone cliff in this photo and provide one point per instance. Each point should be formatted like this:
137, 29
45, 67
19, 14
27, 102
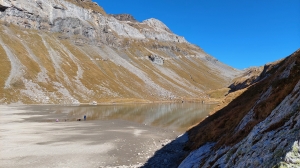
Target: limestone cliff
260, 128
68, 51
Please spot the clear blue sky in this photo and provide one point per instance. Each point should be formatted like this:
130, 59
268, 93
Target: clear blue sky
240, 33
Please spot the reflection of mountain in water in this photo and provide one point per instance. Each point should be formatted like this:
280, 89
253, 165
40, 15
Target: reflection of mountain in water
176, 116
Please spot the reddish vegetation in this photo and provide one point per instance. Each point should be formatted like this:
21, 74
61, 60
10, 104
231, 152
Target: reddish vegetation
220, 126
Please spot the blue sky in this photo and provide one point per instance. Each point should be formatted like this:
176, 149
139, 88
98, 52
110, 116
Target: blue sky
240, 33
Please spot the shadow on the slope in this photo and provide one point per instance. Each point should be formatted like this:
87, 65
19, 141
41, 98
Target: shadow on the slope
170, 155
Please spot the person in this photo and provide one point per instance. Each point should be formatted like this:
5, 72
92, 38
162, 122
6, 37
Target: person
56, 120
84, 117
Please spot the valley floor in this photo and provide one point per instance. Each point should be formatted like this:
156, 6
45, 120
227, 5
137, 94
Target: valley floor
28, 142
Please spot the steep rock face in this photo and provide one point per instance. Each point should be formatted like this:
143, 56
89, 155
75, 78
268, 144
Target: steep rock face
67, 51
260, 128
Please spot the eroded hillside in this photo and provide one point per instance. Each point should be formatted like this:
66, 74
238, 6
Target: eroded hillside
260, 128
57, 51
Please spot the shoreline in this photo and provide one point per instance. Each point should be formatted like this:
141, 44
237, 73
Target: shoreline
208, 102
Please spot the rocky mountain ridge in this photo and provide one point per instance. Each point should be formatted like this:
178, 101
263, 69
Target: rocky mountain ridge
66, 17
67, 51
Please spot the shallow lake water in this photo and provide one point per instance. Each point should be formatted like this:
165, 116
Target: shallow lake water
174, 116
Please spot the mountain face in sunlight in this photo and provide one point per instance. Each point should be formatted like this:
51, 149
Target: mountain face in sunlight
70, 52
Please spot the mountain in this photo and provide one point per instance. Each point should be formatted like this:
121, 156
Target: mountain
71, 51
258, 128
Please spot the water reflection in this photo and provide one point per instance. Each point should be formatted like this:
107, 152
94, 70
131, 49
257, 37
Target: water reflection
175, 116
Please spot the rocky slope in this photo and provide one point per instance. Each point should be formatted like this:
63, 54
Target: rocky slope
260, 128
68, 51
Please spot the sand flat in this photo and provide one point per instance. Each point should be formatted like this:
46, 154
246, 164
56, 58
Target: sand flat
29, 143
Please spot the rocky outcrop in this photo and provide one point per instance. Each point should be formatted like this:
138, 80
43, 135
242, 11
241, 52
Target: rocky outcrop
262, 125
156, 59
124, 17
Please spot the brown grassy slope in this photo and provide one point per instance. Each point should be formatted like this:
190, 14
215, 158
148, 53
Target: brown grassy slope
36, 45
220, 126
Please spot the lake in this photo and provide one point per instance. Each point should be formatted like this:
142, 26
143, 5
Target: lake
173, 116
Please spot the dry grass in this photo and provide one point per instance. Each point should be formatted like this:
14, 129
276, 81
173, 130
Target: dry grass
220, 126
